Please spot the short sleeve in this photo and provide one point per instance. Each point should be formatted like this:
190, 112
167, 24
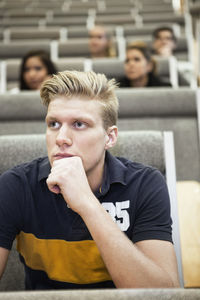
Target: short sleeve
11, 197
152, 220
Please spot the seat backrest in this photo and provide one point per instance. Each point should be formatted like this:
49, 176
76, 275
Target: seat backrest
19, 49
163, 17
12, 71
22, 113
145, 147
76, 47
63, 64
30, 33
111, 67
165, 109
167, 69
127, 18
129, 145
73, 48
67, 21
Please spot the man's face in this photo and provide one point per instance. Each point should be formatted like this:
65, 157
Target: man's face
164, 43
75, 128
98, 42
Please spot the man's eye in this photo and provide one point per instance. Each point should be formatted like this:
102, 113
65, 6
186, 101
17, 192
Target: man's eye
79, 124
54, 124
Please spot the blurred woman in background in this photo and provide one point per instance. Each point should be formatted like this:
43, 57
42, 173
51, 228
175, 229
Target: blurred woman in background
100, 42
140, 68
36, 67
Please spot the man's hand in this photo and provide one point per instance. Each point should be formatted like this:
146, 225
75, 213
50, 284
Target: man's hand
164, 51
68, 177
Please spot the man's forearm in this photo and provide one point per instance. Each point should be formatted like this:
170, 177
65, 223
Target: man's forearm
128, 266
3, 259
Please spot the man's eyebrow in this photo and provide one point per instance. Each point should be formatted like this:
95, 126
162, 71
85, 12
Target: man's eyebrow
50, 118
83, 118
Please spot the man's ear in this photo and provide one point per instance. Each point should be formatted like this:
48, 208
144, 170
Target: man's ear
111, 137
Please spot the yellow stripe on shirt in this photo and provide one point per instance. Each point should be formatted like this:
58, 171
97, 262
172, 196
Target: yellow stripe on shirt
74, 262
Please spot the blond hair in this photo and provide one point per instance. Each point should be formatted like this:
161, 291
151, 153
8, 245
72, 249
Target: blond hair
84, 84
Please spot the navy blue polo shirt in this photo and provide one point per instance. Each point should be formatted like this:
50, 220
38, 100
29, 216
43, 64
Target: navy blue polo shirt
54, 243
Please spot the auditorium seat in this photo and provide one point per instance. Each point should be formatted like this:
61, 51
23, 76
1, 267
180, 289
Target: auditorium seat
163, 17
77, 32
147, 30
75, 47
19, 49
30, 33
63, 64
22, 113
165, 109
158, 8
10, 70
119, 294
115, 19
8, 22
63, 21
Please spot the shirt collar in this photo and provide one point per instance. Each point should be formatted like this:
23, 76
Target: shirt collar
114, 172
44, 169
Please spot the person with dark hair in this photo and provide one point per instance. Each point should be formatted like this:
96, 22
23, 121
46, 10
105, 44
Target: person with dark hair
140, 68
164, 41
100, 42
36, 67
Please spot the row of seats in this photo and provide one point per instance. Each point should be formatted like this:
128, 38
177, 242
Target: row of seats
126, 294
65, 33
62, 42
84, 20
12, 7
85, 8
167, 69
78, 46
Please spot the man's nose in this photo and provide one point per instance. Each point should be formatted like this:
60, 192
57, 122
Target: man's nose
64, 136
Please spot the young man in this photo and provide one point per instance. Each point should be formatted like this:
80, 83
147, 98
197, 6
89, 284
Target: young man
83, 218
164, 41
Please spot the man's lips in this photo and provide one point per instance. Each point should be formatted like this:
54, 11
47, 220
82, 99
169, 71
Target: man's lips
62, 155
